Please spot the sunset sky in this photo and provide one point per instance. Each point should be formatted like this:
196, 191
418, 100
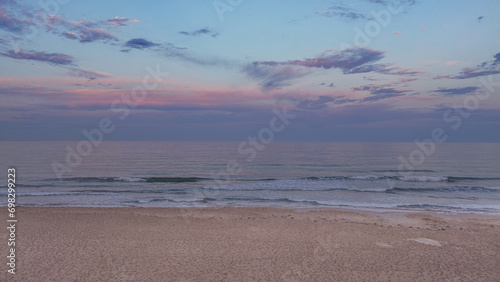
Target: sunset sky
367, 70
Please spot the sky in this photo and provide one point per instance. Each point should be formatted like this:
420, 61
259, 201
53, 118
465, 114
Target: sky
229, 70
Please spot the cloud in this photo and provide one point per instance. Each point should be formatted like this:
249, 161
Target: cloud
443, 76
485, 68
10, 23
497, 59
391, 2
273, 76
117, 21
52, 58
315, 104
70, 35
383, 93
20, 17
329, 85
368, 68
91, 75
140, 43
84, 31
379, 92
348, 60
343, 11
398, 71
202, 31
407, 79
475, 72
163, 49
92, 35
456, 91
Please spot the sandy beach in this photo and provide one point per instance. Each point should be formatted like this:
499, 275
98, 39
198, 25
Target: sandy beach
251, 244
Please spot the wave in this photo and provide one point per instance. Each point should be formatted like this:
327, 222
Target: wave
422, 178
458, 209
352, 178
404, 170
409, 178
458, 178
445, 189
134, 179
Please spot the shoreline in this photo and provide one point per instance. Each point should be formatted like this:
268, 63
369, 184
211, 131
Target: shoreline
374, 210
253, 243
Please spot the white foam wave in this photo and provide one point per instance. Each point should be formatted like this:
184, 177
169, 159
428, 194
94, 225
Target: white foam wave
129, 179
422, 178
365, 177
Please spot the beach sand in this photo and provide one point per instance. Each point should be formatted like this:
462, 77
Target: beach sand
249, 244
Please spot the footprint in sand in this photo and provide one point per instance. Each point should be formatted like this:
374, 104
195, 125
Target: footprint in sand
427, 241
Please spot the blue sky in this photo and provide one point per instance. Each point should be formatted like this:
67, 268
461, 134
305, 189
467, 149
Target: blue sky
367, 70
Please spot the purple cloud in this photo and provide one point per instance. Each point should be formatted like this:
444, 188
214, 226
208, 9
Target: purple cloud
347, 60
11, 23
350, 13
202, 31
91, 75
52, 58
485, 68
350, 61
315, 104
387, 2
140, 43
16, 18
117, 21
272, 76
456, 91
343, 12
379, 92
398, 71
84, 31
497, 59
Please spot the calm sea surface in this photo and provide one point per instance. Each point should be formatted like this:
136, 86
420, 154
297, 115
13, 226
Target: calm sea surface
444, 177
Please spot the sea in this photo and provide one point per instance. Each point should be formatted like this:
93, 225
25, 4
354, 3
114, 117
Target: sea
445, 177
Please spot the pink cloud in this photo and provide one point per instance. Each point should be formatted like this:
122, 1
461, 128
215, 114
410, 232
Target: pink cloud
117, 21
52, 58
399, 71
85, 31
443, 76
452, 63
418, 98
407, 79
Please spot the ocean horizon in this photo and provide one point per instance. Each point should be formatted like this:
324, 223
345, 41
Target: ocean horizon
448, 177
